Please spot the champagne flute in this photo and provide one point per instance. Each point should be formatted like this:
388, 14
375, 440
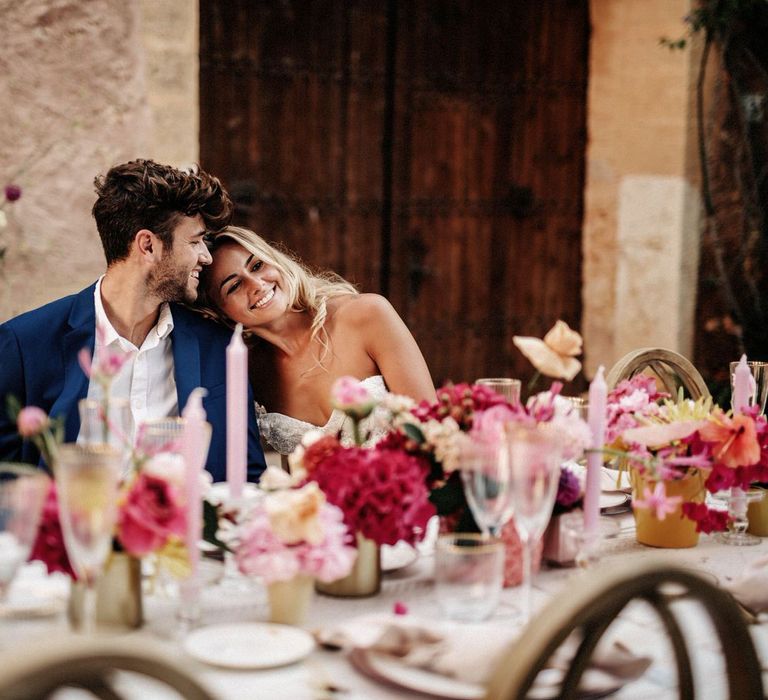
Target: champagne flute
485, 474
87, 479
533, 455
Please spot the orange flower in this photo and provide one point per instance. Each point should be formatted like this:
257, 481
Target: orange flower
734, 439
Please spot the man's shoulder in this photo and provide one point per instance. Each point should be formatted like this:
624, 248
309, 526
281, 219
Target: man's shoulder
46, 318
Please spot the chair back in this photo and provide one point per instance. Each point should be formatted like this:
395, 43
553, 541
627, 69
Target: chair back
37, 671
591, 607
670, 368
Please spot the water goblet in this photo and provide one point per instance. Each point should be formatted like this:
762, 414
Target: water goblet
509, 388
107, 423
87, 479
23, 490
738, 500
484, 468
533, 456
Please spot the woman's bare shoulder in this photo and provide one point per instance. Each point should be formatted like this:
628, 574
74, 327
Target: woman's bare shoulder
360, 308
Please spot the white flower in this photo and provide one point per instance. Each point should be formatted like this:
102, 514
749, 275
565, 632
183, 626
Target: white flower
396, 403
275, 479
444, 437
169, 466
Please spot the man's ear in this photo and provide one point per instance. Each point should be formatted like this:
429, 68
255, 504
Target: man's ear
148, 245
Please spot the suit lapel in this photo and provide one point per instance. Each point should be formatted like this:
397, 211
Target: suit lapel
186, 358
82, 322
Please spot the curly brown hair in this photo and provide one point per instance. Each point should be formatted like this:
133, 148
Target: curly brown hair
142, 194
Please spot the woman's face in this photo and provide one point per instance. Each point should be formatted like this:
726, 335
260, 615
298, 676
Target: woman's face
245, 288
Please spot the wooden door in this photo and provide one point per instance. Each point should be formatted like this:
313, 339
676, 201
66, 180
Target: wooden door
430, 150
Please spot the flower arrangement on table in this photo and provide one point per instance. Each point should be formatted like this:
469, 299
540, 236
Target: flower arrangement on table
665, 442
152, 500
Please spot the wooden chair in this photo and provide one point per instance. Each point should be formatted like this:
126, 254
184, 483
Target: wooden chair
591, 607
670, 368
37, 671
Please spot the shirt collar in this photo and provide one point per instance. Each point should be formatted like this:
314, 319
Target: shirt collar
162, 329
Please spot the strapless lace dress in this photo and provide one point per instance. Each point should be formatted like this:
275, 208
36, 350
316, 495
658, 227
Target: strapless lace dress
283, 433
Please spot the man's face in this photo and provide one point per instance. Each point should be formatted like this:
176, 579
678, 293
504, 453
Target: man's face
177, 275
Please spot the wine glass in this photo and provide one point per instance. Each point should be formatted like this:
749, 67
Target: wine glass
533, 456
107, 423
23, 490
509, 388
87, 479
484, 467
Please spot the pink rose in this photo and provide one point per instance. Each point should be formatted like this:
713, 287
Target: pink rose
153, 512
31, 421
49, 544
350, 396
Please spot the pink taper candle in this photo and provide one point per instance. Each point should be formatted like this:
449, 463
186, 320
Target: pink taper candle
237, 413
598, 399
194, 449
743, 386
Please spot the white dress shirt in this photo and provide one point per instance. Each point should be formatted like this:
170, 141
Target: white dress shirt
146, 379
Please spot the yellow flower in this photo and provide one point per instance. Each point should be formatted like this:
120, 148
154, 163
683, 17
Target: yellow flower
555, 356
174, 558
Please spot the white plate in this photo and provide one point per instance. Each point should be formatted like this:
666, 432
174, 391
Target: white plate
613, 499
398, 556
249, 645
387, 668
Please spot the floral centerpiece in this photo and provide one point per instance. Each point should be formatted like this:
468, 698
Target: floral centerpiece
680, 450
290, 538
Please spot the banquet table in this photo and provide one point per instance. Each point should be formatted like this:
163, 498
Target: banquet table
329, 674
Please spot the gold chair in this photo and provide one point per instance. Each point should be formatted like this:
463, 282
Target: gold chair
670, 368
590, 608
37, 671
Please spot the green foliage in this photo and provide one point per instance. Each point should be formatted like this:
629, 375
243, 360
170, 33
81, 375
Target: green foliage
211, 526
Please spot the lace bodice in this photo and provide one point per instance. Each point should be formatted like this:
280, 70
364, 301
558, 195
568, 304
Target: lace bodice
283, 433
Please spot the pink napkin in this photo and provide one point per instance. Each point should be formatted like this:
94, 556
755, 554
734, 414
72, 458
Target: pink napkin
470, 653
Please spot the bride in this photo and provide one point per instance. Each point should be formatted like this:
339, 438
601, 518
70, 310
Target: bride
304, 332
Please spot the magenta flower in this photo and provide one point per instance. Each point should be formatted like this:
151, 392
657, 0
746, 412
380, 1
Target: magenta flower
658, 501
108, 363
31, 421
400, 608
12, 192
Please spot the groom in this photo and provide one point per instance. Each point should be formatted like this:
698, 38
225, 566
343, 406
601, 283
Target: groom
152, 220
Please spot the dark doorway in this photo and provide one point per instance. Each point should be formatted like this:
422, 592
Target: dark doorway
430, 150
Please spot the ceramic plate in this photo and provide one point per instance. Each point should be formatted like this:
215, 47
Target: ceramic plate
397, 556
249, 645
383, 667
613, 499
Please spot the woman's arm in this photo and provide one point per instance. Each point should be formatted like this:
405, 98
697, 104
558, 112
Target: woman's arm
388, 342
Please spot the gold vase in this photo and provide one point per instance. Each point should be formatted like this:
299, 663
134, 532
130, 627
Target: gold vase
289, 600
365, 577
675, 531
118, 595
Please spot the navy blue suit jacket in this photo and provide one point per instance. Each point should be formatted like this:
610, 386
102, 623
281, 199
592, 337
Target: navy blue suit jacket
38, 365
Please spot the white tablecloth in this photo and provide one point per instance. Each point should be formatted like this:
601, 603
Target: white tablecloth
637, 627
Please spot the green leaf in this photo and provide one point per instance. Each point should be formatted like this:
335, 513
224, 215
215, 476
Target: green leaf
211, 526
413, 433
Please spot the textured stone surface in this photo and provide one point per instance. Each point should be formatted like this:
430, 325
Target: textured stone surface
77, 99
639, 200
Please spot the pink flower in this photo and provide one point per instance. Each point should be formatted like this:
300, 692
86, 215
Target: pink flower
49, 544
349, 395
734, 439
658, 501
109, 359
31, 421
152, 512
400, 608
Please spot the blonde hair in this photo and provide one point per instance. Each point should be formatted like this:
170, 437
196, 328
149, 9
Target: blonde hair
307, 291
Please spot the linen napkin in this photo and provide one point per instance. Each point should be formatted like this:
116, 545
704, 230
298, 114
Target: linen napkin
610, 479
469, 653
751, 589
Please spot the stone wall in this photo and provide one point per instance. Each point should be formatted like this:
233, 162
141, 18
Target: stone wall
85, 85
641, 225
